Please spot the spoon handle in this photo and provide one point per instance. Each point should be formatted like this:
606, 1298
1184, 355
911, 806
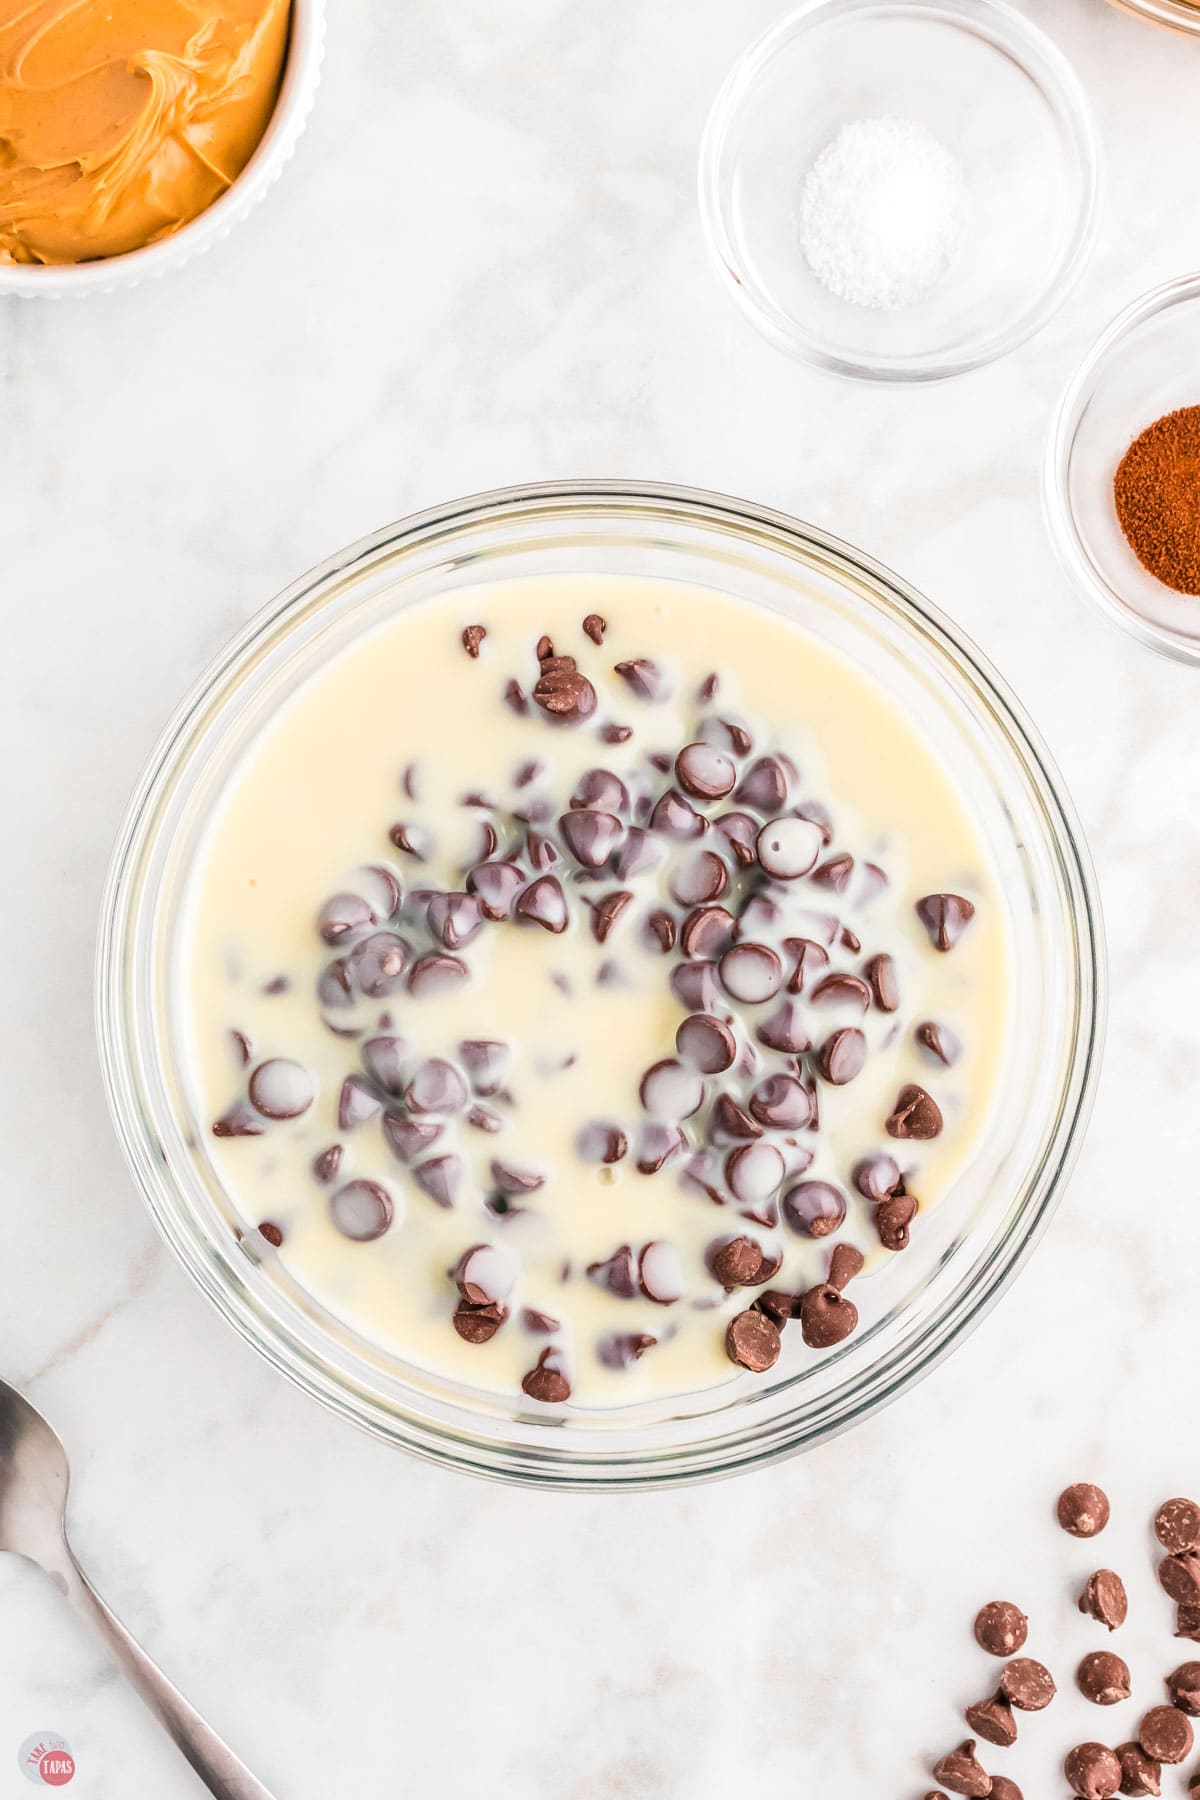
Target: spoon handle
214, 1762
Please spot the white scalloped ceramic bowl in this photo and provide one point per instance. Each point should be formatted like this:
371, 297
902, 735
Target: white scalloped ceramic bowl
301, 76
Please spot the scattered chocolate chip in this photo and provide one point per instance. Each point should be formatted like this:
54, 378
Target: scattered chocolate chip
706, 1043
644, 677
785, 1029
590, 836
706, 931
1083, 1509
842, 990
621, 1349
892, 1220
1177, 1526
561, 690
881, 976
617, 1273
753, 1172
752, 1341
434, 972
512, 1180
357, 1102
409, 1138
546, 1381
436, 1087
1140, 1774
739, 831
1027, 1685
484, 1274
477, 1324
616, 734
496, 886
788, 848
700, 878
842, 1056
606, 912
327, 1163
1104, 1599
514, 698
782, 1102
602, 1144
1004, 1789
600, 790
826, 1317
993, 1720
659, 930
916, 1114
1183, 1685
668, 1090
1001, 1628
962, 1773
945, 917
413, 840
1187, 1621
809, 958
814, 1208
751, 973
737, 1262
707, 689
660, 1274
544, 903
877, 1177
1179, 1577
269, 1230
764, 786
595, 627
344, 917
242, 1049
731, 1123
440, 1177
1166, 1734
1092, 1771
705, 772
845, 1262
675, 817
472, 637
835, 873
281, 1089
361, 1210
482, 1118
939, 1043
1103, 1678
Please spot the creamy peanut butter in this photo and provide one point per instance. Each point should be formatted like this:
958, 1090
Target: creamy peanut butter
121, 121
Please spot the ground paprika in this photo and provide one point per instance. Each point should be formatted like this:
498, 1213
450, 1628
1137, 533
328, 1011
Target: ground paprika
1157, 491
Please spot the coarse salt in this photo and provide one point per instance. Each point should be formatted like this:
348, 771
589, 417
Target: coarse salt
882, 212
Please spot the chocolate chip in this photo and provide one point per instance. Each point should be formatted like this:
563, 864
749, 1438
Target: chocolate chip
826, 1317
281, 1089
386, 1059
476, 1324
434, 972
845, 1262
939, 1043
361, 1211
706, 931
356, 1103
698, 879
764, 786
704, 772
414, 840
1104, 1599
1183, 1685
814, 1208
880, 972
788, 848
1166, 1734
1179, 1576
590, 836
993, 1720
784, 1029
1103, 1678
962, 1774
1187, 1622
455, 918
409, 1138
842, 1055
842, 990
378, 964
877, 1177
1083, 1509
707, 1044
752, 1341
602, 1143
472, 637
731, 1123
668, 1090
617, 1273
694, 985
544, 903
514, 698
739, 831
621, 1349
595, 627
777, 1304
644, 677
945, 917
241, 1046
513, 1180
484, 1274
1001, 1628
606, 912
1140, 1774
440, 1177
916, 1114
809, 958
737, 1262
327, 1163
1004, 1789
616, 734
561, 690
1177, 1526
835, 873
751, 973
675, 817
269, 1230
660, 1273
1092, 1771
657, 1144
482, 1118
344, 917
436, 1087
1027, 1685
753, 1172
892, 1220
640, 854
546, 1381
783, 1102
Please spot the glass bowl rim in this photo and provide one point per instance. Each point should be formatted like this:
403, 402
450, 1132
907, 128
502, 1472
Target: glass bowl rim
724, 1451
1039, 58
1176, 15
1056, 502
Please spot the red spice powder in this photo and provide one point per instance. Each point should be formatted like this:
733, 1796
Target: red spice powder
1157, 491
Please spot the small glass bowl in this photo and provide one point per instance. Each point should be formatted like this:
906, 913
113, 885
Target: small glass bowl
993, 89
969, 1248
1180, 15
1145, 364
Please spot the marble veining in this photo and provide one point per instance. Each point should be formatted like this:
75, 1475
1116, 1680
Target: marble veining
484, 266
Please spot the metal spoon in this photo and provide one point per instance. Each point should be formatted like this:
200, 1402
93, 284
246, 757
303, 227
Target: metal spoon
33, 1502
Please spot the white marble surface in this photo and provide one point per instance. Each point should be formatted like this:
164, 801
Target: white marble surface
485, 266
